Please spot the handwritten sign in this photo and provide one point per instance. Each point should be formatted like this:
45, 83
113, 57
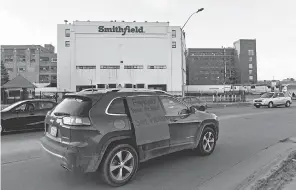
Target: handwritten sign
148, 118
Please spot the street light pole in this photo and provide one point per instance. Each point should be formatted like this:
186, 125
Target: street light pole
182, 51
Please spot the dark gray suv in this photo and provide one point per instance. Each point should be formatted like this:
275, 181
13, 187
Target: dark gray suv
114, 130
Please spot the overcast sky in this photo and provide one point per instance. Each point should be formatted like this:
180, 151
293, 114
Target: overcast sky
271, 22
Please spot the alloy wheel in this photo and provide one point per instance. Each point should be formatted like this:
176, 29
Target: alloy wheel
122, 165
208, 142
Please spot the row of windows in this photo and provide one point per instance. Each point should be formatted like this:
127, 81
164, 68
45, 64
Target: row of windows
172, 106
23, 59
125, 67
174, 44
213, 58
47, 78
211, 54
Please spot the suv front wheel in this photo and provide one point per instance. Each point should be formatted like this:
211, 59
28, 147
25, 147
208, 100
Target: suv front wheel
207, 142
120, 165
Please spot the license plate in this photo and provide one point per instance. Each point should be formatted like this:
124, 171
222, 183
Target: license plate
53, 131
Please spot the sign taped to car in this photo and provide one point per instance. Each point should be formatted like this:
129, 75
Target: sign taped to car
148, 117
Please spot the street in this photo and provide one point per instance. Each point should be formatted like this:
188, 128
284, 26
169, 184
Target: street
244, 132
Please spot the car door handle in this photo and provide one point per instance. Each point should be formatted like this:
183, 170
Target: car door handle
31, 113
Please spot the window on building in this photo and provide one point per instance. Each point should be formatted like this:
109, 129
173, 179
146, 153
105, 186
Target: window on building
54, 60
251, 77
44, 68
250, 72
133, 67
156, 67
174, 45
101, 85
53, 77
54, 68
250, 66
67, 43
250, 59
21, 58
44, 78
21, 69
8, 58
251, 52
174, 34
44, 58
67, 32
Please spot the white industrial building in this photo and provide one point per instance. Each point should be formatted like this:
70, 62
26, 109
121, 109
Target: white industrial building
120, 54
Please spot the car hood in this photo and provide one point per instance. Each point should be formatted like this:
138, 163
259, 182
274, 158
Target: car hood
201, 115
261, 99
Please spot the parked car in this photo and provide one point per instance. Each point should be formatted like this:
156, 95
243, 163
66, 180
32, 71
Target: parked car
195, 102
273, 99
25, 115
113, 131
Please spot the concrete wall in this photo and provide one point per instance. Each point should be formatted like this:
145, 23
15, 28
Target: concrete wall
91, 51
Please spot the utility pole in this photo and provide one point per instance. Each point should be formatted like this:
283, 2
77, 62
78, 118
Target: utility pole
182, 52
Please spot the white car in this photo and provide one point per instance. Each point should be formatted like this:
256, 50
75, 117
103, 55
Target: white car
273, 99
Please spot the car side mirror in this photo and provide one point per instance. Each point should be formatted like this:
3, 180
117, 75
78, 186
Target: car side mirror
192, 109
184, 112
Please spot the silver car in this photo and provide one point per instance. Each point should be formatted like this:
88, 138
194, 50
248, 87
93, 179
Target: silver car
273, 99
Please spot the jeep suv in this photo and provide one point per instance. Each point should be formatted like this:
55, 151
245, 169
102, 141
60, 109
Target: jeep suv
273, 99
114, 130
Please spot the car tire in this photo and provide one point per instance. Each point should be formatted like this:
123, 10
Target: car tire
257, 106
202, 108
270, 104
207, 142
288, 104
127, 169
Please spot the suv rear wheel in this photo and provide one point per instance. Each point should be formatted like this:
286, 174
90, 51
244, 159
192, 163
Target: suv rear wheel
120, 165
207, 142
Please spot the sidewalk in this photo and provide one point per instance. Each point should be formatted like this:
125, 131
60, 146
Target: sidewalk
291, 185
246, 174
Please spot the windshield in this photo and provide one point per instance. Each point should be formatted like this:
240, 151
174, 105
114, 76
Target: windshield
73, 107
11, 106
267, 95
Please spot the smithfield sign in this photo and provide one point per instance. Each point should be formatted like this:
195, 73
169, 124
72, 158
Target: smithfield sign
122, 30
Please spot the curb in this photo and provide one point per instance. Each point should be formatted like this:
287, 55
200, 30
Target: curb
264, 175
223, 105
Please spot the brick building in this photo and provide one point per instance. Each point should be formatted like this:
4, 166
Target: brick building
34, 62
216, 66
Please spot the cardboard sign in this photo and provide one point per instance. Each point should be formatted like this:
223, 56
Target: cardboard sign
148, 118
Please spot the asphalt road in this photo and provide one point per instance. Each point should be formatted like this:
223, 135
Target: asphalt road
244, 131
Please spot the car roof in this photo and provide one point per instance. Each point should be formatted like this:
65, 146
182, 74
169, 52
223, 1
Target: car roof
118, 91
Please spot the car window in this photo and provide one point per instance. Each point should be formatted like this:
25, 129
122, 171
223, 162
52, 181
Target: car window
276, 95
172, 107
73, 106
46, 105
30, 107
117, 107
282, 95
21, 107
